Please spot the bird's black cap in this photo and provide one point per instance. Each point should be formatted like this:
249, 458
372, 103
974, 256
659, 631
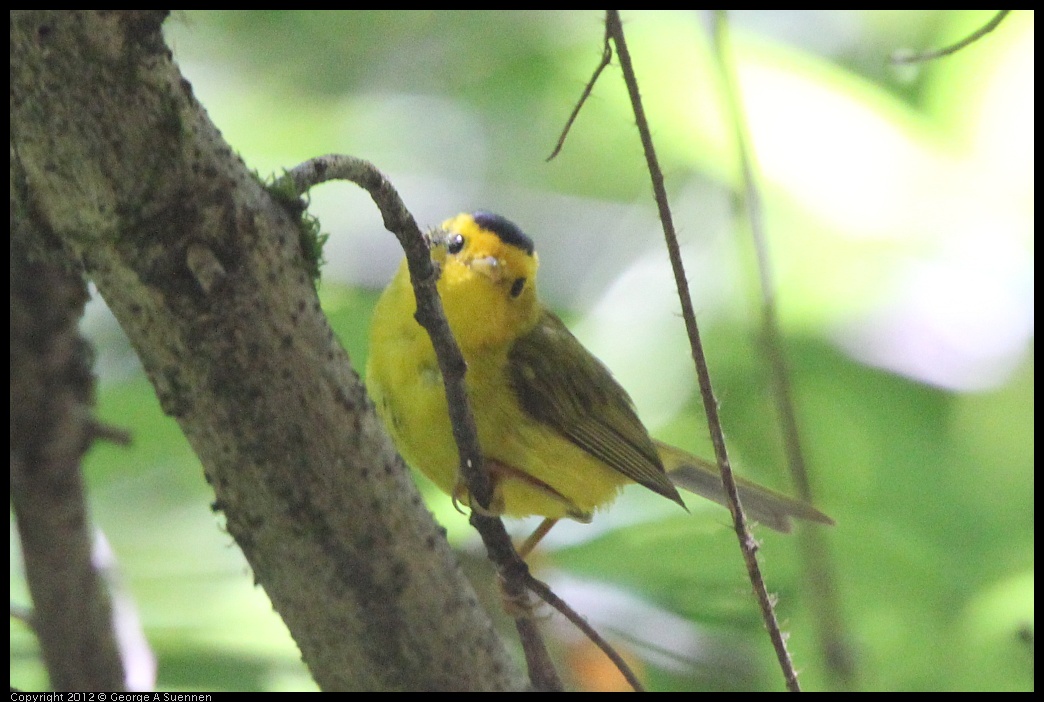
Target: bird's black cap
508, 231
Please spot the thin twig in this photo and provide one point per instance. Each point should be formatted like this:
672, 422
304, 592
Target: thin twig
102, 431
545, 593
515, 576
818, 563
542, 673
538, 587
902, 57
607, 56
747, 543
399, 221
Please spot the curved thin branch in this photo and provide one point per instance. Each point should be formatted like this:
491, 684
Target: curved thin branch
902, 57
399, 221
547, 595
607, 56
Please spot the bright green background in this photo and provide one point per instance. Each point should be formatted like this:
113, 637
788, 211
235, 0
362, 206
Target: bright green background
900, 216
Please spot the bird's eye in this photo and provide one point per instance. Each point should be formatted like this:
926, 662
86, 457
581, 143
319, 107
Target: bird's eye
455, 243
517, 287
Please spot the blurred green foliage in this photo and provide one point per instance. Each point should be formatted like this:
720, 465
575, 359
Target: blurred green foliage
899, 210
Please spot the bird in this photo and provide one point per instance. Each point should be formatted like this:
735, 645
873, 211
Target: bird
559, 435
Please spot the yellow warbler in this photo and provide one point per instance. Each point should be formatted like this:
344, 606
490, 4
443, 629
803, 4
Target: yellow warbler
558, 434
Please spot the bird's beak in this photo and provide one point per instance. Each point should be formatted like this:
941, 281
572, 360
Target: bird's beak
488, 266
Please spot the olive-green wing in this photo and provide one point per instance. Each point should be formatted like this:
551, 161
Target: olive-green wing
560, 384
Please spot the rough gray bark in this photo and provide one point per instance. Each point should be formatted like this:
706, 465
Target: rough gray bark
52, 391
205, 272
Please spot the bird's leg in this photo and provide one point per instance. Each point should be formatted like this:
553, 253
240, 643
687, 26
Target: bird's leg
541, 531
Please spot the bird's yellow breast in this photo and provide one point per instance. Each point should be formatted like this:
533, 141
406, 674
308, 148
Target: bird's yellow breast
559, 436
404, 381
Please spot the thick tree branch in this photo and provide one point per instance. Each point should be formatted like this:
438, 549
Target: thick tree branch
205, 272
52, 390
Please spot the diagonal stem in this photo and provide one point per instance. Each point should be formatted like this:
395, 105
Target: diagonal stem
747, 543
